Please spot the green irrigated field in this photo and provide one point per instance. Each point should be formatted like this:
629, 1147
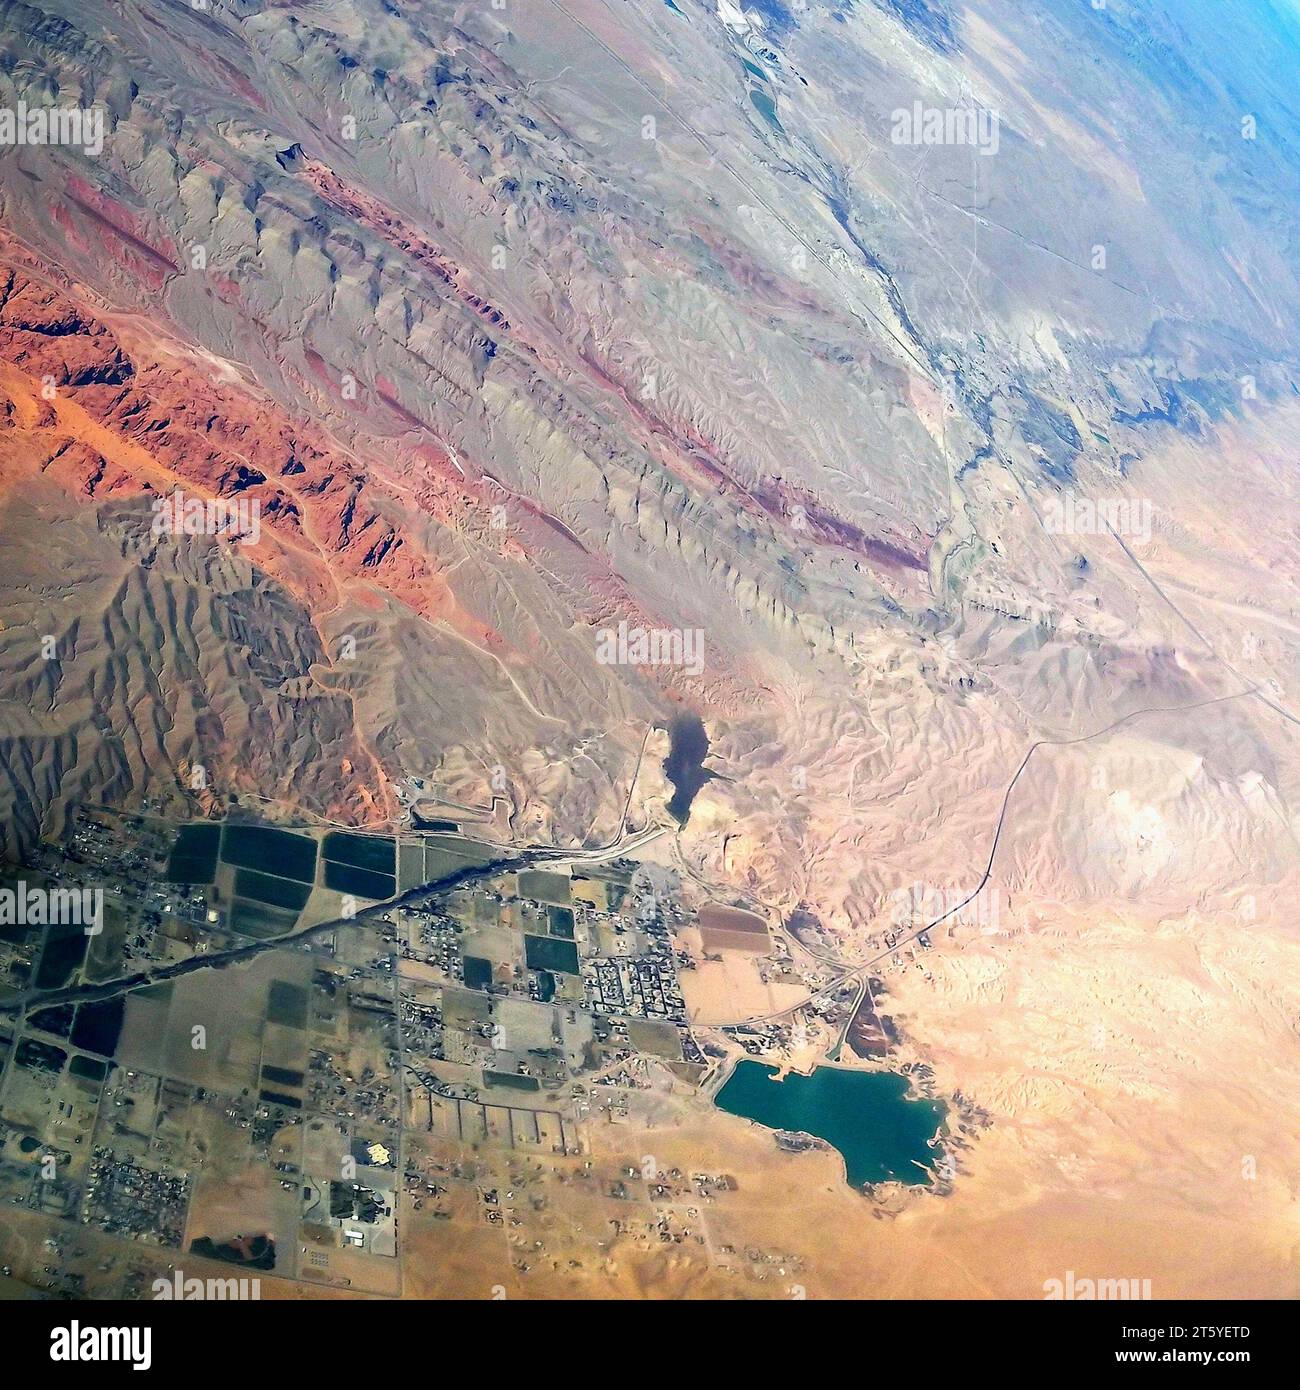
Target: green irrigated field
270, 850
377, 853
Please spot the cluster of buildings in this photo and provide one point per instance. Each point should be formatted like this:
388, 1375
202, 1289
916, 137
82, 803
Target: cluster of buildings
123, 1198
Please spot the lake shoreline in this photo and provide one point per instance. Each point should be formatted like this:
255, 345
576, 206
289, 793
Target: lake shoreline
880, 1133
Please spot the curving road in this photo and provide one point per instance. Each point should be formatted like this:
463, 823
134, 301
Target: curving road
857, 971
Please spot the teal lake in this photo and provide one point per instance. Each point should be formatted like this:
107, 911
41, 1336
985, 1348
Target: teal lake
867, 1116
